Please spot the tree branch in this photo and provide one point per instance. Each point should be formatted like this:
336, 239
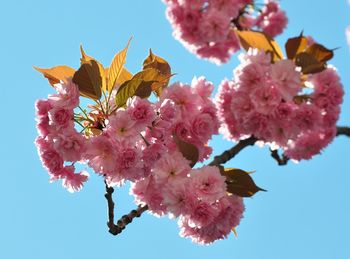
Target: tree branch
227, 155
232, 152
116, 229
343, 131
281, 160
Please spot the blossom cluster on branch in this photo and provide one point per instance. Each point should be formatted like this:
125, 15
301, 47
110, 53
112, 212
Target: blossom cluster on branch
206, 27
140, 128
126, 137
281, 106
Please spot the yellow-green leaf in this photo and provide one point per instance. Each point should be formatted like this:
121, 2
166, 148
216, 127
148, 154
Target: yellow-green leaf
133, 87
116, 67
239, 182
260, 41
188, 150
124, 76
89, 79
153, 74
56, 74
295, 45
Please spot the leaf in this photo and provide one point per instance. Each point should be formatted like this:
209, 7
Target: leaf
89, 79
124, 76
260, 41
239, 182
295, 45
163, 68
319, 52
188, 150
153, 74
85, 58
133, 87
308, 63
55, 74
116, 67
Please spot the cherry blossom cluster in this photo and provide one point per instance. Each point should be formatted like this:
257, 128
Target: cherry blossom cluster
206, 27
125, 144
58, 140
279, 105
197, 197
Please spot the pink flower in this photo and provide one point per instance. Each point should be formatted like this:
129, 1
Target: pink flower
286, 78
42, 107
207, 183
101, 154
141, 111
121, 126
71, 181
202, 87
148, 192
192, 4
307, 146
253, 75
214, 25
265, 99
230, 212
182, 96
202, 127
307, 117
43, 125
70, 145
168, 110
128, 161
61, 118
171, 166
202, 213
182, 130
50, 159
228, 7
67, 97
177, 198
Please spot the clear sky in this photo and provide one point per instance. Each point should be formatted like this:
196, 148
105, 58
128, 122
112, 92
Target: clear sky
303, 215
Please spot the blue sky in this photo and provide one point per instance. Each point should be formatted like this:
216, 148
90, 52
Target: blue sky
303, 215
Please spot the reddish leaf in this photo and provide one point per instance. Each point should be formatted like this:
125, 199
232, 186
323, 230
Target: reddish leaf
89, 79
239, 182
188, 150
295, 45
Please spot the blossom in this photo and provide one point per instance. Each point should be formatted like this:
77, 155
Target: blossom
70, 145
60, 118
267, 100
286, 78
205, 27
67, 95
141, 111
170, 166
101, 154
207, 183
121, 126
71, 181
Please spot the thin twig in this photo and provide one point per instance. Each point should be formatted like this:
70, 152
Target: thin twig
281, 160
116, 229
